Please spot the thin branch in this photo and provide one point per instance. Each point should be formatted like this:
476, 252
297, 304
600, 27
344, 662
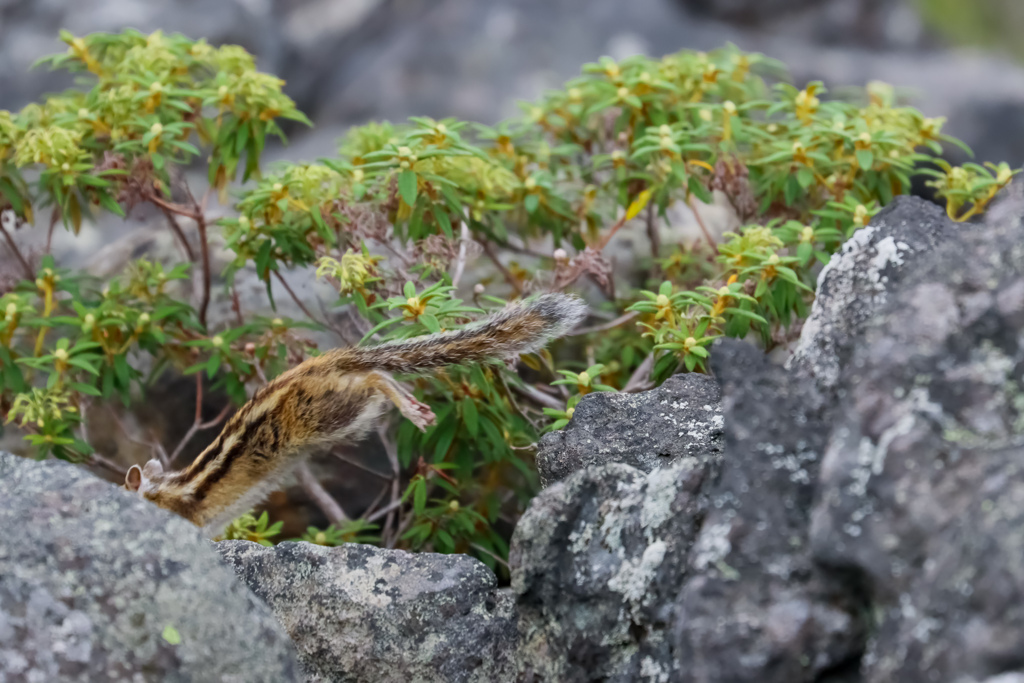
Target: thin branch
387, 509
180, 234
298, 302
394, 516
204, 247
654, 236
538, 396
54, 215
296, 299
9, 217
319, 495
109, 465
172, 207
640, 379
603, 242
485, 551
604, 327
376, 501
509, 277
197, 422
700, 222
369, 470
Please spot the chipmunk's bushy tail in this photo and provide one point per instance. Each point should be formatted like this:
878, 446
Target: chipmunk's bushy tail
520, 327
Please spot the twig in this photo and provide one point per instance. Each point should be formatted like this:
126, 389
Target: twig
369, 470
395, 511
153, 445
654, 237
489, 250
9, 217
387, 509
325, 324
640, 379
376, 501
197, 422
700, 222
403, 526
236, 305
485, 551
460, 262
538, 396
319, 495
172, 207
54, 215
604, 327
109, 465
295, 298
180, 234
196, 214
204, 247
603, 242
515, 404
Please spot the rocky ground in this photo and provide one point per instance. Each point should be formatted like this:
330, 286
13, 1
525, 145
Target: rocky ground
853, 517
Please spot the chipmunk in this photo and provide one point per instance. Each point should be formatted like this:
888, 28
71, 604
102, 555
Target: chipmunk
333, 398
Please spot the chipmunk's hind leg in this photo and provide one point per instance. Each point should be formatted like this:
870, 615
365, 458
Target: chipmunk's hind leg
418, 413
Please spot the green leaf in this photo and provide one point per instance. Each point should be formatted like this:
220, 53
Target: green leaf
442, 219
531, 202
470, 416
171, 635
407, 186
419, 496
865, 159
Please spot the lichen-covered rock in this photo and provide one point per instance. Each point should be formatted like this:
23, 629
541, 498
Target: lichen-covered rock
96, 585
359, 613
922, 486
596, 562
682, 418
696, 571
754, 606
858, 282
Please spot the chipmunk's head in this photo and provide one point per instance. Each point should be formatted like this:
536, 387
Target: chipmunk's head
145, 480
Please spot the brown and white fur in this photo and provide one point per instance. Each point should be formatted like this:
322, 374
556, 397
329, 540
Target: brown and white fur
334, 398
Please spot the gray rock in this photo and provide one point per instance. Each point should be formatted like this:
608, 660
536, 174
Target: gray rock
754, 606
645, 430
359, 613
596, 562
858, 282
699, 570
95, 585
922, 485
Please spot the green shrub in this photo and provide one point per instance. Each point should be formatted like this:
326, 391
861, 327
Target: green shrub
389, 221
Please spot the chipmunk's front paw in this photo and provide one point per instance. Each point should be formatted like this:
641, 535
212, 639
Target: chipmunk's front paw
419, 414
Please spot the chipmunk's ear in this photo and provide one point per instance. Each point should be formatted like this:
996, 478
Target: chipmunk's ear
152, 469
133, 479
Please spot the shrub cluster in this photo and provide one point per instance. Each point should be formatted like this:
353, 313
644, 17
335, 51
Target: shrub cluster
393, 219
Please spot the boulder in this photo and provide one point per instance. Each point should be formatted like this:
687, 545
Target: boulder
359, 613
681, 418
754, 606
98, 585
597, 561
922, 485
859, 280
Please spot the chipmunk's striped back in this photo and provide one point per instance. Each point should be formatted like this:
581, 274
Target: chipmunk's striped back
332, 398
